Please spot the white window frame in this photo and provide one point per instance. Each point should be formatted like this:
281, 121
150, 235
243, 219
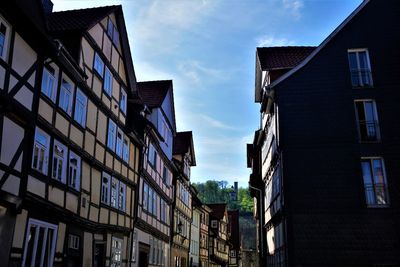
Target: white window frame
373, 183
116, 251
112, 134
108, 82
56, 159
73, 241
359, 69
4, 53
214, 224
375, 120
123, 100
74, 182
118, 146
105, 188
80, 108
66, 91
114, 193
49, 83
122, 196
41, 149
98, 65
47, 227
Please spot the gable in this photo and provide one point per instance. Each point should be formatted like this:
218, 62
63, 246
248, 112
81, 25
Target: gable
168, 109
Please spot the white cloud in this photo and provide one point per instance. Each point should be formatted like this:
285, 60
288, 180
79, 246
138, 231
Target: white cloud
294, 7
272, 41
216, 123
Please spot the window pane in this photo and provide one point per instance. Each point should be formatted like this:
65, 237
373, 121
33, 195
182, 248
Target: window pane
98, 65
3, 30
353, 60
108, 82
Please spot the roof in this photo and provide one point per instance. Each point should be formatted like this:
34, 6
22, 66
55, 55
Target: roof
78, 19
321, 46
282, 57
218, 210
183, 143
153, 92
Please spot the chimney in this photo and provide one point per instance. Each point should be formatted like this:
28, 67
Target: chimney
47, 6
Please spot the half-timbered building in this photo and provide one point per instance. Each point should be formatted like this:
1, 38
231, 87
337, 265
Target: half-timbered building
155, 191
184, 159
204, 235
218, 235
69, 163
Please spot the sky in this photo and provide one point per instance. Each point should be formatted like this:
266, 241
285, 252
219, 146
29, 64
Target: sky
207, 47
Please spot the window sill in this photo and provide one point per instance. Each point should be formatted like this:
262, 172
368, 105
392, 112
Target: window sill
377, 206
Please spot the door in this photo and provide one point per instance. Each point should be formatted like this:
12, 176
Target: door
99, 253
143, 254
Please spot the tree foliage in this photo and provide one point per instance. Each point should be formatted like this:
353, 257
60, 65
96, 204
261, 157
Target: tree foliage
220, 192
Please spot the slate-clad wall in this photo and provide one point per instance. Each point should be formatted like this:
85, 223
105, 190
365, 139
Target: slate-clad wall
329, 223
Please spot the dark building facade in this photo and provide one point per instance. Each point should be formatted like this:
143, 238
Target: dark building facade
327, 150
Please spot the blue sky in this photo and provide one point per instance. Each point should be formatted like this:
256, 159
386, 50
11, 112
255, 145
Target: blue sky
207, 47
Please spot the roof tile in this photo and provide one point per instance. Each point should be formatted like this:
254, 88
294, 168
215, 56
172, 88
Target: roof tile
282, 57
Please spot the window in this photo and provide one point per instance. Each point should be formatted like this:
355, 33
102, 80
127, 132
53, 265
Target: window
233, 253
165, 174
150, 201
40, 244
41, 151
367, 120
145, 196
116, 252
375, 185
152, 156
59, 161
154, 203
98, 65
108, 80
214, 224
122, 101
122, 196
73, 242
125, 150
4, 38
80, 108
105, 188
163, 210
360, 68
66, 93
74, 171
112, 32
49, 83
118, 148
114, 193
112, 128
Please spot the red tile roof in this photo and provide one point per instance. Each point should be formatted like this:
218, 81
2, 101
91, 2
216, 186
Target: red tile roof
78, 19
153, 92
282, 57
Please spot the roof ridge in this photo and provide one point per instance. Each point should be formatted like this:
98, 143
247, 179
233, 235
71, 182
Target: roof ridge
85, 9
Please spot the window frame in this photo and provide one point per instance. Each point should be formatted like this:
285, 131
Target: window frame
119, 142
65, 91
80, 107
111, 134
123, 100
52, 95
114, 202
152, 159
105, 198
7, 36
360, 122
125, 149
98, 63
108, 81
359, 70
46, 151
64, 159
78, 171
116, 250
122, 196
47, 226
370, 161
